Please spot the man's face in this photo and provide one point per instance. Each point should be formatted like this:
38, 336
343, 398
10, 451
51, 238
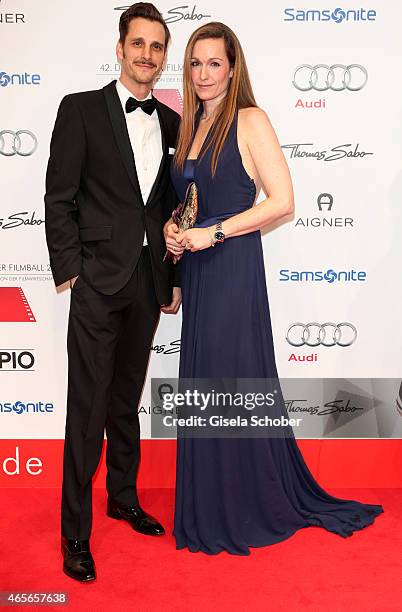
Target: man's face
142, 55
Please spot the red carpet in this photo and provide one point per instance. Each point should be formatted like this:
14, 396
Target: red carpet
313, 570
336, 464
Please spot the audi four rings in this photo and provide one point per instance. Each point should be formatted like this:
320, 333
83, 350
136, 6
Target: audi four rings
343, 334
15, 145
336, 77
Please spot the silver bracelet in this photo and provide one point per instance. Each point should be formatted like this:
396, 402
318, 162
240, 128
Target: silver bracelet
212, 237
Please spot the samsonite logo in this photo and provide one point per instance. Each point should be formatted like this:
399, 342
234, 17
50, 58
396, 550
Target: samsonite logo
21, 408
337, 15
322, 276
18, 78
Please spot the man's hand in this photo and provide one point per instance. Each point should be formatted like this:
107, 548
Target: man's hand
72, 281
174, 306
170, 232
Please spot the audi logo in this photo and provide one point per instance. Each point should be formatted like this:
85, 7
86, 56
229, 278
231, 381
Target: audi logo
336, 77
22, 142
325, 334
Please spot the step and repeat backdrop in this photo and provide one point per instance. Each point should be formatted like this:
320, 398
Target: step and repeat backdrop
328, 77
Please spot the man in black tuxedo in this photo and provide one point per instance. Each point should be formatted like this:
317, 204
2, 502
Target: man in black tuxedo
108, 195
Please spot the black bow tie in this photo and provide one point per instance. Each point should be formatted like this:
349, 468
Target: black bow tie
148, 106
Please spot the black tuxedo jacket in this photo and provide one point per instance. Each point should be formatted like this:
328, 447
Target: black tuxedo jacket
95, 215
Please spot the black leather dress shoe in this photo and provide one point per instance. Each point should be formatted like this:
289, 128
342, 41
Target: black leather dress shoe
78, 561
136, 517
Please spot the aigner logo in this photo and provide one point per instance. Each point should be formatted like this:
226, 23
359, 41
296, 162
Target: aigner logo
12, 17
324, 202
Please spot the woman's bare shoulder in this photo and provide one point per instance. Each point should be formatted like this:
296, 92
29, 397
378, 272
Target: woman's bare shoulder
253, 119
252, 115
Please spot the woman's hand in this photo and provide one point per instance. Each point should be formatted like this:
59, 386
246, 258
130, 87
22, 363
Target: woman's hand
195, 239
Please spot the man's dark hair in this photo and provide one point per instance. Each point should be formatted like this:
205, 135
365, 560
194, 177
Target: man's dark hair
146, 10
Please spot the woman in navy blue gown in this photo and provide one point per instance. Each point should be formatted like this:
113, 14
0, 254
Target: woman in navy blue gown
235, 493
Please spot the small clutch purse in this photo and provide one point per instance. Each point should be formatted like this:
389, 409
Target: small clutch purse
185, 214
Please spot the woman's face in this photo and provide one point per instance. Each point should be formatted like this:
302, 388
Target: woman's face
210, 69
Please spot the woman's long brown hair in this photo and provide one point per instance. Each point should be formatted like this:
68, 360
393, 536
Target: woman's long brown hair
239, 95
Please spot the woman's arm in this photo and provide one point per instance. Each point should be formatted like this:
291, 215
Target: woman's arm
270, 170
267, 157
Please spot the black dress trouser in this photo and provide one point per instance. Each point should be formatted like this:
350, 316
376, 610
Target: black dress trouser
109, 340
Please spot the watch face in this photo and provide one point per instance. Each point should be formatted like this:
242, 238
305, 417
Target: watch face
219, 236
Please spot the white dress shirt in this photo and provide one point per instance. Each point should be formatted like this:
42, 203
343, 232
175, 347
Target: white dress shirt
146, 142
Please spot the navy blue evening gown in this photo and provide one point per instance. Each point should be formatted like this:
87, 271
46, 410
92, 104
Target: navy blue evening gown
236, 493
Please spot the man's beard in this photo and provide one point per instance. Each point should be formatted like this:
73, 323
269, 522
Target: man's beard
134, 72
143, 79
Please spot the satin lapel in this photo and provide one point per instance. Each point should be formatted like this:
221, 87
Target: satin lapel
119, 126
162, 165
